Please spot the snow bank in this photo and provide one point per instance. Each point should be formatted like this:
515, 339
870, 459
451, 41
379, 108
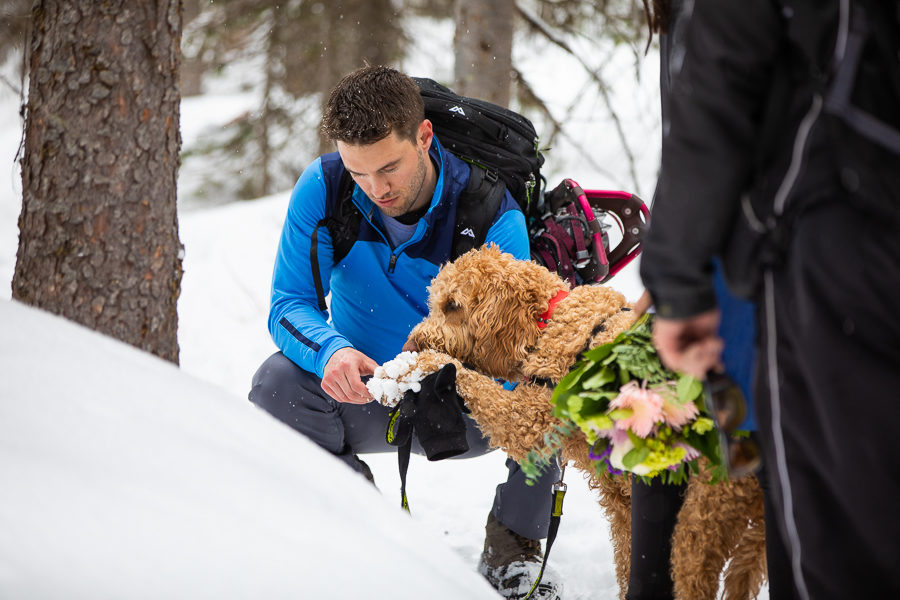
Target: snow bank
123, 477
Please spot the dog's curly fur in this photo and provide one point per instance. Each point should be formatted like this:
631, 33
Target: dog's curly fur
484, 309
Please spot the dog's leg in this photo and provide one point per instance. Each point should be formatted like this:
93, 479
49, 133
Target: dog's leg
710, 524
746, 571
614, 497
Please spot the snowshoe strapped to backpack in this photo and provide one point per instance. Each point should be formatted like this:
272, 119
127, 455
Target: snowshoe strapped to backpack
573, 241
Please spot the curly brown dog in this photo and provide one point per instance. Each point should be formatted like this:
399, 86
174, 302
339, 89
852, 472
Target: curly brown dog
485, 310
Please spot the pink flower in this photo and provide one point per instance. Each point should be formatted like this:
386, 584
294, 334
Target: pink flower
690, 452
616, 436
646, 406
677, 415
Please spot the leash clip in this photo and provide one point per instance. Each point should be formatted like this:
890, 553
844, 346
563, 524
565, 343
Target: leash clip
559, 491
562, 473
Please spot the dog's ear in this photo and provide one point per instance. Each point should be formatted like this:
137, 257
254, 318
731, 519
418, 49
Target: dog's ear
510, 298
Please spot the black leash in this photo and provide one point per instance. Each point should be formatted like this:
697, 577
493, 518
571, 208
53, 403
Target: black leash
559, 492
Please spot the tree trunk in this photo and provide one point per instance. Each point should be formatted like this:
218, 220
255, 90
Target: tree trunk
261, 183
98, 237
482, 46
192, 67
355, 33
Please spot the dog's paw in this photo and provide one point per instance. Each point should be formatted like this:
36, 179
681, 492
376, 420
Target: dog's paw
394, 378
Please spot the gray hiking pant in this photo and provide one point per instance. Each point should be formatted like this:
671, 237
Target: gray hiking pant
295, 397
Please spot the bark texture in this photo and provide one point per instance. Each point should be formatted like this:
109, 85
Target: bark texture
98, 230
482, 46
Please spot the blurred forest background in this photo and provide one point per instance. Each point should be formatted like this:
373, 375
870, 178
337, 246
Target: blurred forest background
287, 54
140, 111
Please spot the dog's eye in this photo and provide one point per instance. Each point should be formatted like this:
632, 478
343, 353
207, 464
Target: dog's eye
451, 306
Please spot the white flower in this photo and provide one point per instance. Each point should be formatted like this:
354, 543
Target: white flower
618, 453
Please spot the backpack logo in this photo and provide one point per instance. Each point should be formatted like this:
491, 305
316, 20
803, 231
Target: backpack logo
457, 109
468, 231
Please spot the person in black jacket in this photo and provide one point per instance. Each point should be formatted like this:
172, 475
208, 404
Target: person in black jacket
768, 166
655, 505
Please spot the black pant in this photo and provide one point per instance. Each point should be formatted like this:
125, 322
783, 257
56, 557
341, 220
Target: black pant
295, 397
654, 510
828, 402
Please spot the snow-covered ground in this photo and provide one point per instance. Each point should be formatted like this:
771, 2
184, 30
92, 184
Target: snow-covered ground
124, 477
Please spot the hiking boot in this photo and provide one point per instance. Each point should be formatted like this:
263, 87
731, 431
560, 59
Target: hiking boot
511, 564
355, 463
365, 471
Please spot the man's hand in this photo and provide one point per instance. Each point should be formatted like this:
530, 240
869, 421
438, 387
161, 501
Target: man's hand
642, 305
342, 379
690, 345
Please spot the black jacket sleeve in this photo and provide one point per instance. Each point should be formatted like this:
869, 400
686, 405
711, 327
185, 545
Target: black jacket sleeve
723, 66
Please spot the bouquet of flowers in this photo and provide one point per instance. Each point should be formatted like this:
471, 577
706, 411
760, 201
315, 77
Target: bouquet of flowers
638, 416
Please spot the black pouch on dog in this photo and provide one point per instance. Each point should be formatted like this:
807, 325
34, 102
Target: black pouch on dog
435, 414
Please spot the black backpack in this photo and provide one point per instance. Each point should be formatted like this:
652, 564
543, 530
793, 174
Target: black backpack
500, 141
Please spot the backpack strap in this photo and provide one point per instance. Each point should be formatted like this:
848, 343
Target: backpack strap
475, 210
343, 226
553, 247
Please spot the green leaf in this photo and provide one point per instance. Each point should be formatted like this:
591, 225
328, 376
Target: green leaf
596, 422
620, 413
635, 456
635, 439
569, 381
561, 404
719, 473
600, 352
592, 406
599, 379
688, 389
575, 403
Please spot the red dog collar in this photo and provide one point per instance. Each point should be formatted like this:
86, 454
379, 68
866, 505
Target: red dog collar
545, 316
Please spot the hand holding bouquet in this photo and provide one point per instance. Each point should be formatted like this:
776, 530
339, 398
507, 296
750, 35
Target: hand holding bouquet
637, 415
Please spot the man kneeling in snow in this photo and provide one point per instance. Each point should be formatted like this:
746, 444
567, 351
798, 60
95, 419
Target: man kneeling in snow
406, 187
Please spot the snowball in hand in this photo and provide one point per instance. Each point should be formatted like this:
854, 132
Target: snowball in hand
392, 379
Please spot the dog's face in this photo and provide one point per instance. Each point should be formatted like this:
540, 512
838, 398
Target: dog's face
483, 310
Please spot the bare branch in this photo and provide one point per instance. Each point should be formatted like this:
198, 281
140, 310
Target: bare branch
526, 90
11, 85
541, 26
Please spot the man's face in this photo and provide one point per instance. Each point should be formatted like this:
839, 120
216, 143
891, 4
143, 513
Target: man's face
392, 171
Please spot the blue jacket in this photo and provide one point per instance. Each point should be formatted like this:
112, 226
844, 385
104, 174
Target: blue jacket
738, 330
377, 293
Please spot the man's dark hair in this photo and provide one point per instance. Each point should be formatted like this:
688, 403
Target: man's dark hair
370, 103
